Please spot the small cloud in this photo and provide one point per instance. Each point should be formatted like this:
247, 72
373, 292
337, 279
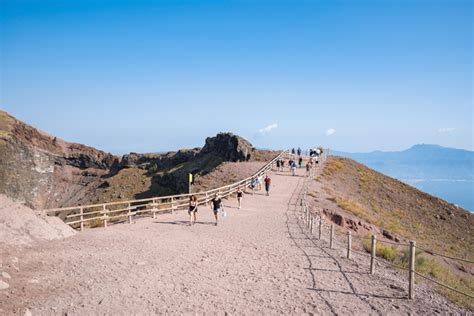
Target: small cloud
330, 131
268, 129
446, 130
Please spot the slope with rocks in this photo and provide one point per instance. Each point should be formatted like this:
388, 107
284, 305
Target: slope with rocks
44, 171
366, 202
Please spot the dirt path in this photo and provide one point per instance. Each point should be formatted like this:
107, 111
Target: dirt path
258, 260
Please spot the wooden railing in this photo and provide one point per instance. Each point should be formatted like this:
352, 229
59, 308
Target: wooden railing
102, 214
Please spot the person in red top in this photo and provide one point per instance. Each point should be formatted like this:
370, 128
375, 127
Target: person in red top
267, 184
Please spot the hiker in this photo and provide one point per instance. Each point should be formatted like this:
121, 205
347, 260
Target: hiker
300, 162
259, 182
308, 167
193, 208
253, 184
290, 164
278, 165
293, 150
299, 151
267, 184
216, 207
240, 195
293, 168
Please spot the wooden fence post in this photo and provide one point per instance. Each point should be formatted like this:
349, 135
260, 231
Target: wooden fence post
320, 227
312, 225
372, 254
349, 244
104, 216
411, 276
331, 237
82, 219
172, 206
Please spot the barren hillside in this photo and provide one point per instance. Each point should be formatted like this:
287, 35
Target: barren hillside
46, 172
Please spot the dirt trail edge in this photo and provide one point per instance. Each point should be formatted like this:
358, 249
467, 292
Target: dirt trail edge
258, 260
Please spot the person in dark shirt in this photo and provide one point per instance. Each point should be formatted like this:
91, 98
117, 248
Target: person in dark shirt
267, 184
193, 207
216, 206
240, 195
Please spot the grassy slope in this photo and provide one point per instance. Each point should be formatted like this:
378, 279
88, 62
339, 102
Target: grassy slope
409, 213
400, 208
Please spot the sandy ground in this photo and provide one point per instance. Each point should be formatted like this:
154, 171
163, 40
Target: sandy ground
258, 260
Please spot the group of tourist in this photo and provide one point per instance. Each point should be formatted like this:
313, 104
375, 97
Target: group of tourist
216, 203
256, 183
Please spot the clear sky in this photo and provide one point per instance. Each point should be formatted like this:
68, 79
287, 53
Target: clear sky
151, 76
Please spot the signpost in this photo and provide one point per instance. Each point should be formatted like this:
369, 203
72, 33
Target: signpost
190, 183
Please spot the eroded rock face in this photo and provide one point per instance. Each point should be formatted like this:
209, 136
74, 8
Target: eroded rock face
228, 146
44, 171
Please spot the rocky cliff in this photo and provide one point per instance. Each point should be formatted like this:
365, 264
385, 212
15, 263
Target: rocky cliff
44, 171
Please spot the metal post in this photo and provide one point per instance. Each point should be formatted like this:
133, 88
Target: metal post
320, 227
411, 276
172, 206
312, 225
82, 219
129, 216
331, 237
372, 254
349, 244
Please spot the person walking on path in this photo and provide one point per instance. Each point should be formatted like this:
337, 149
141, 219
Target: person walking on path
278, 164
293, 168
299, 151
300, 161
193, 208
267, 184
259, 182
253, 184
216, 206
308, 167
240, 195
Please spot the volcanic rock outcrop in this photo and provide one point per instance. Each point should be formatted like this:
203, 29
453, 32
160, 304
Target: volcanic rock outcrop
44, 171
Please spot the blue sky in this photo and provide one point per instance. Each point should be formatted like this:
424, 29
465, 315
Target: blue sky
160, 75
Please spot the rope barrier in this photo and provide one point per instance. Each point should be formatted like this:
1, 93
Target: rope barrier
392, 243
444, 285
444, 256
391, 264
335, 241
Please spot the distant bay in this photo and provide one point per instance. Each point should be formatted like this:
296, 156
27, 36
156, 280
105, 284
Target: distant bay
459, 192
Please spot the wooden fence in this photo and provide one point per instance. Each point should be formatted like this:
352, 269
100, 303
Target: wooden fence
105, 213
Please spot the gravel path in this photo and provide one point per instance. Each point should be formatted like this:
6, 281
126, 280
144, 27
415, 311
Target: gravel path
258, 260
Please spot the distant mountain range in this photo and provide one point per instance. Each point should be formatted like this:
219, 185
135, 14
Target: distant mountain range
420, 162
444, 172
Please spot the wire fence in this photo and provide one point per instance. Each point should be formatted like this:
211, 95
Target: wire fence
310, 221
